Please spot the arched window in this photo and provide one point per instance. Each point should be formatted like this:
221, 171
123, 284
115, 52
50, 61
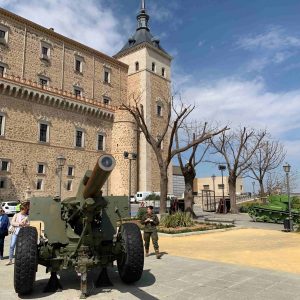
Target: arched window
137, 66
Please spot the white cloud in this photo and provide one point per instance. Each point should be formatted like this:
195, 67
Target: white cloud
237, 102
275, 38
240, 102
91, 23
274, 46
200, 43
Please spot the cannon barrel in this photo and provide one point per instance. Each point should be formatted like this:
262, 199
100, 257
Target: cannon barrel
105, 164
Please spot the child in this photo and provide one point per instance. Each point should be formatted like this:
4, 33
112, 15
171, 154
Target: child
150, 220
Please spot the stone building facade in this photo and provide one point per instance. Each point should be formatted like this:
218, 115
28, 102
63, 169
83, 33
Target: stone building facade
59, 97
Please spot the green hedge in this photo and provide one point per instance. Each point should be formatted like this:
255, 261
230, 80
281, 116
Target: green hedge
244, 207
179, 219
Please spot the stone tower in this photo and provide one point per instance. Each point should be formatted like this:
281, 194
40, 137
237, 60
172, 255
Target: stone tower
149, 78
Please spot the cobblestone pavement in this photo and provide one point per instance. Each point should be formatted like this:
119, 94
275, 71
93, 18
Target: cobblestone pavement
172, 278
178, 277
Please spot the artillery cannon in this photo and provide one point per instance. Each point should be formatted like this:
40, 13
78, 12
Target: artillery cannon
79, 233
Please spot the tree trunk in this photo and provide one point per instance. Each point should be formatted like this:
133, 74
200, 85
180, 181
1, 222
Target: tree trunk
262, 191
232, 194
189, 176
163, 191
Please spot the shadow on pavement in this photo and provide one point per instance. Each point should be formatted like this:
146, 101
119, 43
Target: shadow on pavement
70, 281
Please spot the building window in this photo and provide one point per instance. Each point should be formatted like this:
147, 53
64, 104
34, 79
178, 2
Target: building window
5, 165
77, 92
43, 132
79, 138
106, 100
2, 183
2, 124
159, 110
41, 169
43, 81
78, 65
2, 69
70, 171
69, 185
45, 52
137, 66
106, 76
220, 186
153, 67
39, 184
101, 142
206, 186
3, 35
163, 72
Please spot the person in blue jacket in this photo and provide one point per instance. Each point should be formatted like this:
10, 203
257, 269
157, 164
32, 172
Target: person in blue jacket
4, 224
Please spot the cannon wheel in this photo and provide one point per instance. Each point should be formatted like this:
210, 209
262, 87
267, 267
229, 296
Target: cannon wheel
25, 260
131, 261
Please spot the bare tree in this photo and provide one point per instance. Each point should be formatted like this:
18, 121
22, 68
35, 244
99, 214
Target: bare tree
276, 182
237, 148
192, 159
268, 156
175, 116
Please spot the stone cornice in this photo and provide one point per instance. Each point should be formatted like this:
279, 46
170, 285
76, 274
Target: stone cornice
140, 46
62, 38
31, 91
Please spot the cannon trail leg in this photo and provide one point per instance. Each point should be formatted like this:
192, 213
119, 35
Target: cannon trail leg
83, 285
53, 284
103, 279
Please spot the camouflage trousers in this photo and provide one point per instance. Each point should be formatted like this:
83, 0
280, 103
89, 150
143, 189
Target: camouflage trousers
154, 237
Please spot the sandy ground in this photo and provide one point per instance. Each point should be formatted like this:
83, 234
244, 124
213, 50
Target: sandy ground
268, 249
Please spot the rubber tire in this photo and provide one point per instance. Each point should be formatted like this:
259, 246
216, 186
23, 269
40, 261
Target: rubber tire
26, 260
131, 263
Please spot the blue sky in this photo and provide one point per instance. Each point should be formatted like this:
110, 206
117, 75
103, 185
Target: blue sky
237, 60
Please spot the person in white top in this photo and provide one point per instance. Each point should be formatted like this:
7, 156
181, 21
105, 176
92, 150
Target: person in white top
18, 221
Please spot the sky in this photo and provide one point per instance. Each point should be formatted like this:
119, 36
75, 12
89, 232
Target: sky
236, 60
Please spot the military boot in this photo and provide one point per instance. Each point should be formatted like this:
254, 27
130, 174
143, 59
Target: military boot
158, 255
146, 252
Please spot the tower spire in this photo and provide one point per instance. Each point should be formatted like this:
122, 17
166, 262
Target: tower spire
143, 17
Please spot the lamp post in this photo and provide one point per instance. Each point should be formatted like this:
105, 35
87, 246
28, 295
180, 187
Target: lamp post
213, 177
287, 169
253, 188
222, 168
60, 160
130, 157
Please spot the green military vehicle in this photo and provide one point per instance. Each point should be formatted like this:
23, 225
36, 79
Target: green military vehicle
276, 210
79, 233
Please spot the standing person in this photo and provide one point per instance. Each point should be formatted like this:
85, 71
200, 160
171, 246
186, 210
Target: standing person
19, 220
4, 224
150, 220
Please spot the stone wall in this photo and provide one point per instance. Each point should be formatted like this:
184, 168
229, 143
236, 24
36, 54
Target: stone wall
22, 57
21, 147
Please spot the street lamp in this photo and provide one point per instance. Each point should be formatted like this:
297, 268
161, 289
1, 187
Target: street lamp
222, 168
287, 169
130, 157
60, 160
213, 177
253, 188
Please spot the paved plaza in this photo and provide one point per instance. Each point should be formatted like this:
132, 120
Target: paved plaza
194, 267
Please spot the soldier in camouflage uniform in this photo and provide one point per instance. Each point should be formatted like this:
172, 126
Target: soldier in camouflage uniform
150, 221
